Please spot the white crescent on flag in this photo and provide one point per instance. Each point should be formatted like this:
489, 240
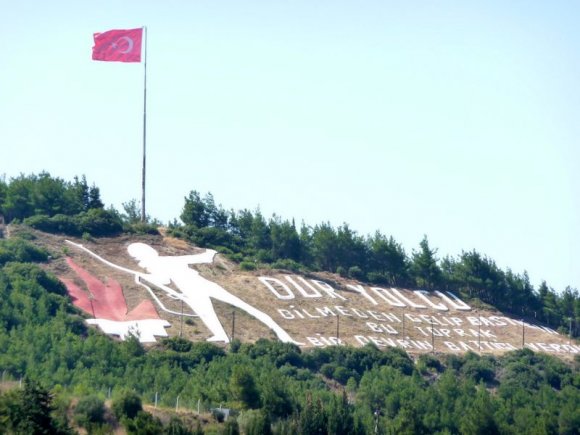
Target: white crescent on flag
129, 43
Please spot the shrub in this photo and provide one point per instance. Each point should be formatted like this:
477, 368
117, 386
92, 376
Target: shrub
356, 272
142, 228
99, 222
177, 427
231, 427
287, 264
342, 374
177, 344
377, 278
56, 224
328, 369
478, 370
143, 424
21, 251
247, 265
428, 363
255, 423
204, 351
218, 414
90, 409
128, 405
243, 388
237, 257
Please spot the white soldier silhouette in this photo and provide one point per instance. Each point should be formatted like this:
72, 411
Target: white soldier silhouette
196, 291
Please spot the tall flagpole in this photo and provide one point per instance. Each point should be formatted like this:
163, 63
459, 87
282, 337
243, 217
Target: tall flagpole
143, 215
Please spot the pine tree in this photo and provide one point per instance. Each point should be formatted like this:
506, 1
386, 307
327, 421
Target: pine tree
424, 266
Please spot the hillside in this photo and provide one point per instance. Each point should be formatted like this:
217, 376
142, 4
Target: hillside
281, 374
316, 310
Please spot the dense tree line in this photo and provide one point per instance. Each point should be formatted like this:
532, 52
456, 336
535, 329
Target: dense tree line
248, 237
74, 208
42, 194
275, 387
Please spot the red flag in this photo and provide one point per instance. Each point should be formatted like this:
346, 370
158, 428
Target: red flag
118, 45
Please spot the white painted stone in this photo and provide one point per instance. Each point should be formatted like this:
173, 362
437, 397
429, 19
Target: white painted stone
144, 330
197, 291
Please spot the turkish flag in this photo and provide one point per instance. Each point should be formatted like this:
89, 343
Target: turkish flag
118, 45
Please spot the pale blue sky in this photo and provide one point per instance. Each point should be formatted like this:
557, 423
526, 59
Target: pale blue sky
454, 119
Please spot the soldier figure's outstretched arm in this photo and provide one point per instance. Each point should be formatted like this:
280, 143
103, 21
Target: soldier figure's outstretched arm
204, 257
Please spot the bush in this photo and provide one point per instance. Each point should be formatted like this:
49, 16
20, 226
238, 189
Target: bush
231, 427
377, 278
56, 224
142, 228
428, 363
356, 272
237, 257
243, 388
177, 427
399, 359
287, 264
328, 370
34, 274
128, 405
177, 344
478, 370
19, 250
95, 222
342, 374
205, 352
209, 236
99, 222
90, 409
255, 423
218, 414
247, 265
143, 424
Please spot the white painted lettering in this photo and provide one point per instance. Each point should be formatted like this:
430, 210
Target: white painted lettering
376, 315
267, 281
359, 313
391, 318
422, 294
314, 293
327, 288
456, 303
286, 314
342, 310
408, 301
386, 296
325, 311
315, 341
451, 346
360, 289
497, 321
412, 318
464, 346
310, 315
362, 340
